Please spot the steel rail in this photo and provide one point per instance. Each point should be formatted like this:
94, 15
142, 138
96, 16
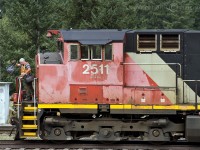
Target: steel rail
32, 144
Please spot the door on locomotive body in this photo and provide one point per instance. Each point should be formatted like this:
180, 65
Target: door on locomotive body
94, 72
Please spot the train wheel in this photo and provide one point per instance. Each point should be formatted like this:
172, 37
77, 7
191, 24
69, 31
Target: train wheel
156, 136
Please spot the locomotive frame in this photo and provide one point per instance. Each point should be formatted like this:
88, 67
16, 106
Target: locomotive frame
113, 85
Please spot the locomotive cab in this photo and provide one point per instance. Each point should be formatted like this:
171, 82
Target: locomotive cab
88, 65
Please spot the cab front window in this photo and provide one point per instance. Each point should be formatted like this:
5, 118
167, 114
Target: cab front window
85, 53
96, 52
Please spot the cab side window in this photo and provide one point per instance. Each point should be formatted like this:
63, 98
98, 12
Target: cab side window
74, 52
91, 52
108, 52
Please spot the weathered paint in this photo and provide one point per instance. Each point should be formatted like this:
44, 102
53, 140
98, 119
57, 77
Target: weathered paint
163, 76
86, 94
114, 76
74, 81
52, 84
94, 84
142, 89
113, 94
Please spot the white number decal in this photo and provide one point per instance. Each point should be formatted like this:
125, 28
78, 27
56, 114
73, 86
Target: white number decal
87, 68
107, 69
94, 69
101, 68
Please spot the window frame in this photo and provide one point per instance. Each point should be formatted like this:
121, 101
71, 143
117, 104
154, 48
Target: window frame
78, 51
91, 52
88, 52
60, 46
111, 53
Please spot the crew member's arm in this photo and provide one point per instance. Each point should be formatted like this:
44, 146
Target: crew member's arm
27, 71
18, 65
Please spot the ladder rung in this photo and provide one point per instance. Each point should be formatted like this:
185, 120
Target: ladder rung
30, 108
29, 118
30, 134
29, 126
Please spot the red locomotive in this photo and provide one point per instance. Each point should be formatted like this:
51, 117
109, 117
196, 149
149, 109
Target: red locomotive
112, 85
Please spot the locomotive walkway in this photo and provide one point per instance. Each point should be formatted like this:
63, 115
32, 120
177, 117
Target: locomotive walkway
75, 145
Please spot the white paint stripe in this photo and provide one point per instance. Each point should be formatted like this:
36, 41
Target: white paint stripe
164, 76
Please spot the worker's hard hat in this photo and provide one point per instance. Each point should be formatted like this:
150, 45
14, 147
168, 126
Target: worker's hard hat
22, 60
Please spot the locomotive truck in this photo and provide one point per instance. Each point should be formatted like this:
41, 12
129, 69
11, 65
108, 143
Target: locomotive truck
113, 85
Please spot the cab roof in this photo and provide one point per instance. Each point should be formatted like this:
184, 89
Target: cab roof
92, 37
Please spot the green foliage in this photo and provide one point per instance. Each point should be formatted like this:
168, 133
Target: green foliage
160, 15
195, 13
108, 15
33, 18
25, 22
77, 12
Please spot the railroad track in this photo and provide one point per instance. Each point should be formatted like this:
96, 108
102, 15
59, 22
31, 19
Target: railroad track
46, 145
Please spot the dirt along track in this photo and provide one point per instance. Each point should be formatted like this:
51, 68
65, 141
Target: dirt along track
76, 145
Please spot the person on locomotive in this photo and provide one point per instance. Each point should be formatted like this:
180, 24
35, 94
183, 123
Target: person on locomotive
26, 75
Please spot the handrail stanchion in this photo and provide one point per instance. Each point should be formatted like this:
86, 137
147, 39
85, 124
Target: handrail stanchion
34, 95
19, 95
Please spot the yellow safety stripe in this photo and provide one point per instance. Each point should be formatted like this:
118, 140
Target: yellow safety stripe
69, 106
29, 133
119, 106
116, 106
175, 107
29, 118
141, 107
30, 108
29, 126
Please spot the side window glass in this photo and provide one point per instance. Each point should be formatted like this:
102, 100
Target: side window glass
85, 52
96, 52
60, 47
108, 52
73, 52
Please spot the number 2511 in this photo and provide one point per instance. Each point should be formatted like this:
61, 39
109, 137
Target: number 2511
95, 69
